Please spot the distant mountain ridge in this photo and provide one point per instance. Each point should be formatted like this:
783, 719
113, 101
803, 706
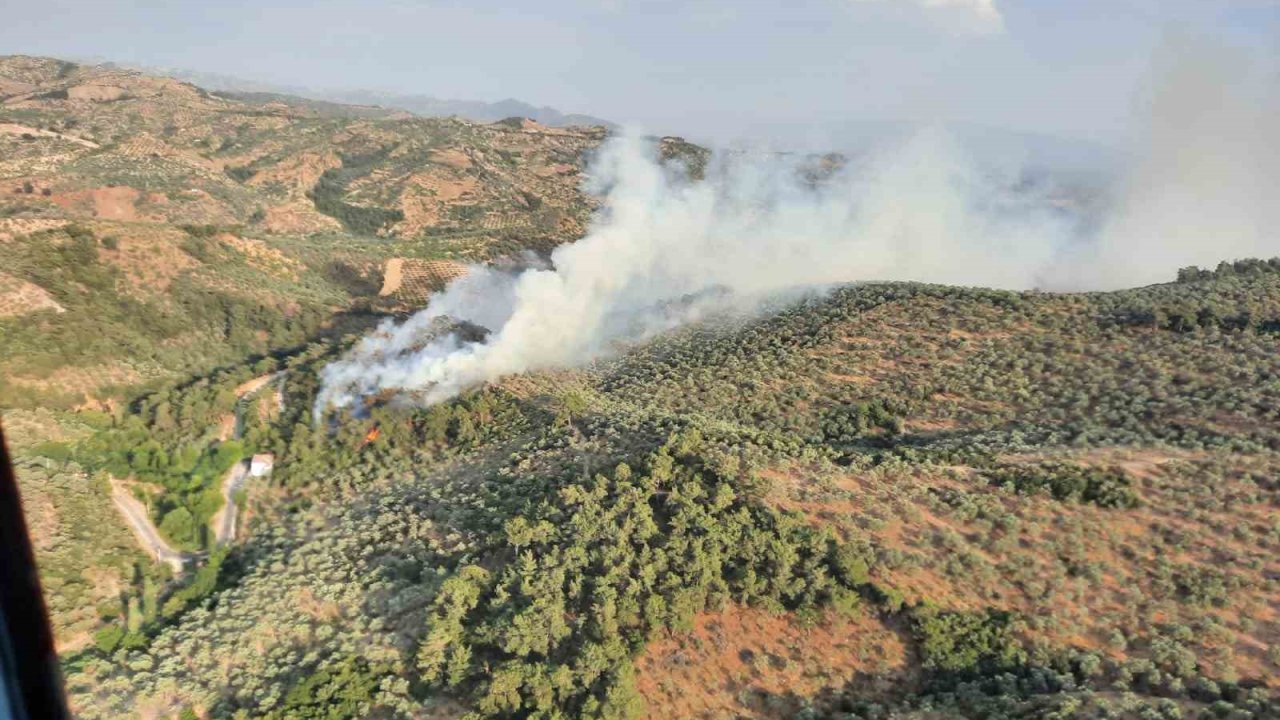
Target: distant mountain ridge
418, 104
476, 110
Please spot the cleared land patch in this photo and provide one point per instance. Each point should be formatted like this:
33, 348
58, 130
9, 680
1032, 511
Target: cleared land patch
19, 297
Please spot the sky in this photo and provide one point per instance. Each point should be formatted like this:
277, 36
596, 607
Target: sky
721, 69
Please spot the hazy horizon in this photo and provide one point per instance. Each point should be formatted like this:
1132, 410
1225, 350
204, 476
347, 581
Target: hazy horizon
710, 70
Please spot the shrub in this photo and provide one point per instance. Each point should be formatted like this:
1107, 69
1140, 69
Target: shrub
1104, 487
966, 641
849, 565
241, 173
179, 526
108, 638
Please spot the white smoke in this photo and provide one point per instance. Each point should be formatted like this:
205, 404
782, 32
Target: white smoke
755, 226
1206, 183
665, 250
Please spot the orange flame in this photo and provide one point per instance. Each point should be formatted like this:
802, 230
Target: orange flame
372, 435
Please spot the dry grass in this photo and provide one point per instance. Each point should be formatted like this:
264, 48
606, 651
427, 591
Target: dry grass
741, 662
1077, 572
262, 256
149, 255
19, 297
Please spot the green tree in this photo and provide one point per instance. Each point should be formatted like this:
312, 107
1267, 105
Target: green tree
179, 526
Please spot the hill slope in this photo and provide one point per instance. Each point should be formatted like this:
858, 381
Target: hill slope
157, 235
198, 157
166, 193
953, 503
889, 500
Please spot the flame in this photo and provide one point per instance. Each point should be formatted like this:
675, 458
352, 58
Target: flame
372, 435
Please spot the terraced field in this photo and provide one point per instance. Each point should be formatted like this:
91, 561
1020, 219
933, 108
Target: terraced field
412, 281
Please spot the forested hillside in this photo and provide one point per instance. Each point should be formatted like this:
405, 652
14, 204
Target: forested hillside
897, 500
887, 500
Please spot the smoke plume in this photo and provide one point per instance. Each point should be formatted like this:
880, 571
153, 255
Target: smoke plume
1204, 186
665, 251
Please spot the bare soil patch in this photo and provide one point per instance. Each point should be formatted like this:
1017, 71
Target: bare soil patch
96, 93
19, 297
744, 662
413, 281
299, 216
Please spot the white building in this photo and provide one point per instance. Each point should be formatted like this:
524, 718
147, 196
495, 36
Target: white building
261, 464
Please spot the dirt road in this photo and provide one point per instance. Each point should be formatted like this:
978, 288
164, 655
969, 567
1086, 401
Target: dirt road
140, 523
224, 521
15, 129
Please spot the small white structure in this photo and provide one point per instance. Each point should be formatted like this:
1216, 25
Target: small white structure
261, 464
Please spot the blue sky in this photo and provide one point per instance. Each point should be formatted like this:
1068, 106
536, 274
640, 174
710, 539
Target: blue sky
705, 68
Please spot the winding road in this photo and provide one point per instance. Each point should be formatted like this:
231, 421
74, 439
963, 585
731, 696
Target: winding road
135, 514
224, 521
